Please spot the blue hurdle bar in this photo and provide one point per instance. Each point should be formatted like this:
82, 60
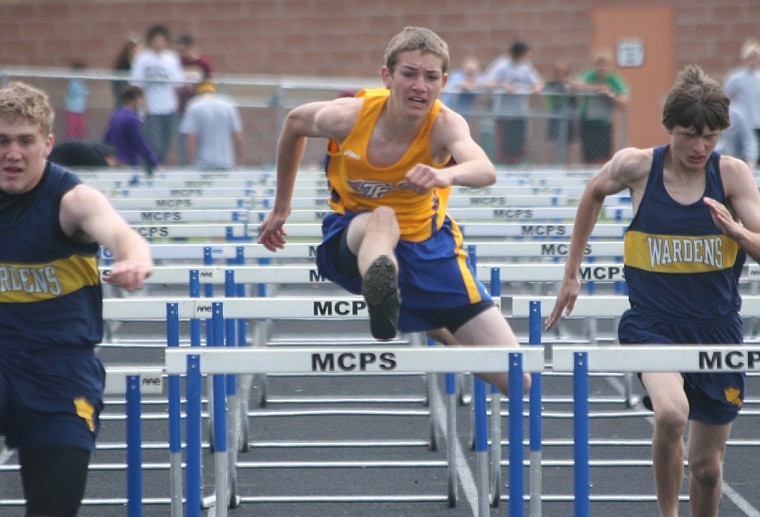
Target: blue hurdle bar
581, 433
220, 420
516, 454
536, 430
134, 448
175, 417
481, 444
193, 438
495, 453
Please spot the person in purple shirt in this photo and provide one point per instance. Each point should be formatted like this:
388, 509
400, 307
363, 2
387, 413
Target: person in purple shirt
125, 133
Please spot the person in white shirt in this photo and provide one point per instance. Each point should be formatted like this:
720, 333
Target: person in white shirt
157, 71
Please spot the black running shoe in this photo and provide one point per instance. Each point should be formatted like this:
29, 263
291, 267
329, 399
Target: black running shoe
380, 289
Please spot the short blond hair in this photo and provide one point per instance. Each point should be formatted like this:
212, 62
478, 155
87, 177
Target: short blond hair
20, 100
416, 38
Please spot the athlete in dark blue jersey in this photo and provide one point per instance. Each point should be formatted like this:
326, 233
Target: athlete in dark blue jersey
51, 382
696, 215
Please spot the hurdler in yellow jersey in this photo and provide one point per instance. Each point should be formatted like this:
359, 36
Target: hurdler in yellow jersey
434, 271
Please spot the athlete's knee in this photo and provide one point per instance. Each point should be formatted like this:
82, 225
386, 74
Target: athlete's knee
385, 216
707, 472
670, 420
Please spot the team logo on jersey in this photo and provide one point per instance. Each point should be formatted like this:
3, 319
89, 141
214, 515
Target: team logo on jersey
679, 253
733, 396
86, 412
373, 189
351, 154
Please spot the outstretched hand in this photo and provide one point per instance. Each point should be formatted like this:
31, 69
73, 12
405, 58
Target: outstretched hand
271, 232
129, 274
565, 302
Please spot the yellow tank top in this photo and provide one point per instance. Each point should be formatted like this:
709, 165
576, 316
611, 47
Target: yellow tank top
356, 185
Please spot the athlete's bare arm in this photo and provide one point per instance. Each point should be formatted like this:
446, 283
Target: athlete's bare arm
628, 169
742, 223
450, 137
86, 214
329, 119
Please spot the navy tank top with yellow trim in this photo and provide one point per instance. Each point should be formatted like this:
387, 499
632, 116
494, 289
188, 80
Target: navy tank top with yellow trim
50, 292
678, 264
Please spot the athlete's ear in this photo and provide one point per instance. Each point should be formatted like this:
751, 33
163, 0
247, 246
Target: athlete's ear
387, 76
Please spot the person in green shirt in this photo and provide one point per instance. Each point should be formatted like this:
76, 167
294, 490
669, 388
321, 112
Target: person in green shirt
603, 92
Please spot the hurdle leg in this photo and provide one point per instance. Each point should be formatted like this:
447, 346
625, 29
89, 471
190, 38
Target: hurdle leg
451, 434
134, 448
495, 447
535, 427
481, 445
193, 487
516, 453
175, 415
434, 430
220, 421
581, 433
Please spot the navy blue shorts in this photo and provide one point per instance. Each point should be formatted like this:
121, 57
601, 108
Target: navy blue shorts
435, 275
51, 398
714, 398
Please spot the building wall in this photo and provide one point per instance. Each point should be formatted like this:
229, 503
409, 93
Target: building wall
346, 38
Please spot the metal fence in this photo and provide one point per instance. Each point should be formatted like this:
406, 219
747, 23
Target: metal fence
514, 129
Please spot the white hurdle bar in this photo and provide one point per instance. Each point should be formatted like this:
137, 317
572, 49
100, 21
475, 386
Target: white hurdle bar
635, 358
373, 360
346, 307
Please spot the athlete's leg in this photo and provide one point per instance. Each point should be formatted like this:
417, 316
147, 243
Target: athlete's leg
671, 413
489, 328
53, 480
373, 234
707, 446
373, 237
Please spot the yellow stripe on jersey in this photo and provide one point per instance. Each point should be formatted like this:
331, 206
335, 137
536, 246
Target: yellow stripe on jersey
28, 283
470, 282
679, 253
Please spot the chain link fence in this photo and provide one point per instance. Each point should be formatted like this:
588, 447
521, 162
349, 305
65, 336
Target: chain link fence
514, 129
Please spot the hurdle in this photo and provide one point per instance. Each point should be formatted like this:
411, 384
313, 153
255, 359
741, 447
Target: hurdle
386, 359
580, 360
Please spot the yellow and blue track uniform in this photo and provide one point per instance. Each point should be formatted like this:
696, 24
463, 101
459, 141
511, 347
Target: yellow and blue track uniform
683, 280
434, 270
51, 382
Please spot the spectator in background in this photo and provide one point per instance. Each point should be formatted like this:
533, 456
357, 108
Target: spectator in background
561, 104
213, 129
461, 89
605, 93
743, 85
157, 71
125, 132
123, 67
76, 104
196, 68
738, 139
512, 78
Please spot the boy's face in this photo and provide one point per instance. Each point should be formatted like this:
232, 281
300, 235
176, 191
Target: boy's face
416, 82
23, 153
690, 149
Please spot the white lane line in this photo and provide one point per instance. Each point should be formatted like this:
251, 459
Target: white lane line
728, 491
